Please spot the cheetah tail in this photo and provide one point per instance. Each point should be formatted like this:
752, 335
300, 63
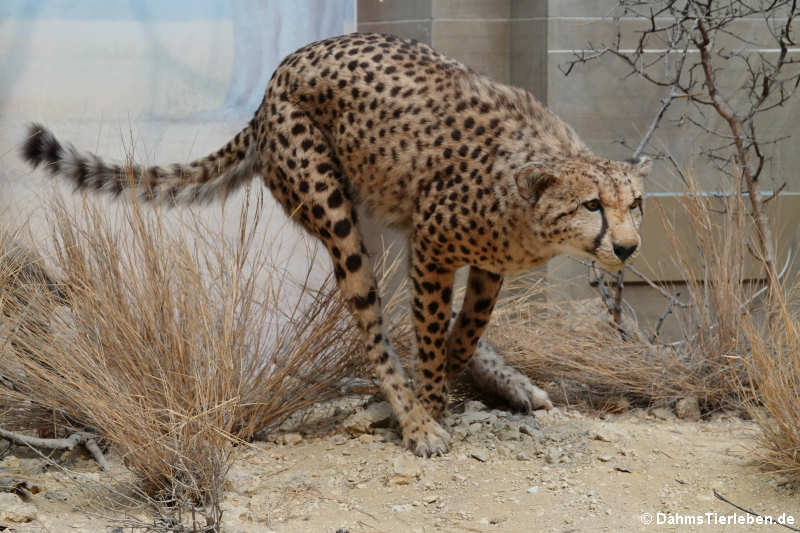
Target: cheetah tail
201, 181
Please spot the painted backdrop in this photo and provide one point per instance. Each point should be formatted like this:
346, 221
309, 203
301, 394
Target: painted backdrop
171, 80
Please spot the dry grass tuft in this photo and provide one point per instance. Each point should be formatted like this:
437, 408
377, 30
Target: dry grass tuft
773, 389
170, 347
715, 270
575, 351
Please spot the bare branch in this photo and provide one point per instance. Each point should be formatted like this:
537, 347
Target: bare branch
68, 443
665, 103
748, 511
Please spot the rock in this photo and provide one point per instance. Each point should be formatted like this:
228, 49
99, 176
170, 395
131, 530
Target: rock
376, 415
662, 414
402, 508
525, 429
604, 458
552, 455
688, 409
291, 439
533, 490
13, 509
406, 470
473, 406
605, 434
480, 455
459, 433
508, 434
55, 496
477, 416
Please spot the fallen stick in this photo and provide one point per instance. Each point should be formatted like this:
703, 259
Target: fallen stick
748, 511
87, 439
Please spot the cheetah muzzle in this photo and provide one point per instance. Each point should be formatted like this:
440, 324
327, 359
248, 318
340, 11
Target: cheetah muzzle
477, 173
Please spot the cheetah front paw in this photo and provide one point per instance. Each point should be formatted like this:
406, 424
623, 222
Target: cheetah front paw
426, 438
522, 394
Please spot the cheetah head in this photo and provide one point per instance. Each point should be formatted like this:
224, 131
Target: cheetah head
588, 207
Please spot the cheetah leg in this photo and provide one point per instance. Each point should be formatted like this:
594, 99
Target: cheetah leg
482, 290
487, 368
493, 374
432, 291
313, 191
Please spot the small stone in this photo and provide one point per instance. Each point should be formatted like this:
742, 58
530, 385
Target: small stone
475, 428
604, 458
533, 489
376, 415
55, 496
402, 508
522, 457
688, 409
662, 414
478, 416
430, 498
459, 433
508, 434
474, 405
552, 455
406, 470
525, 429
13, 509
604, 435
291, 439
480, 455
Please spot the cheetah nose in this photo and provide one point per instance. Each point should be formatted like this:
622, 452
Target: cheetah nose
624, 252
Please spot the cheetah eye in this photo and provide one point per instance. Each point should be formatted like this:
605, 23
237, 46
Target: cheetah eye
637, 203
592, 205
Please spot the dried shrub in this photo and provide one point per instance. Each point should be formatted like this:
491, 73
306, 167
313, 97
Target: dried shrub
174, 344
773, 389
28, 297
714, 268
576, 353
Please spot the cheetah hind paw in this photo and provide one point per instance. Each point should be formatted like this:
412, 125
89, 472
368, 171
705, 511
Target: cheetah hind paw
522, 394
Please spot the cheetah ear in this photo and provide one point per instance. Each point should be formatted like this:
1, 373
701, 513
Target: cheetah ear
533, 179
640, 166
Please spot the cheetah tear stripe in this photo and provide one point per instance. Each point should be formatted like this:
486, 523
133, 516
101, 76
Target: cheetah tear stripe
199, 182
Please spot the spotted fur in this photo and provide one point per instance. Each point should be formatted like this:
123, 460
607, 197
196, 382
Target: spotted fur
477, 173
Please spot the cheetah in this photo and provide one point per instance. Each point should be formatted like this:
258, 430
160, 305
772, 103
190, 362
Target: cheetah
477, 174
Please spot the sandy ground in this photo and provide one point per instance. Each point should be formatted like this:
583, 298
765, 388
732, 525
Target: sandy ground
558, 471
